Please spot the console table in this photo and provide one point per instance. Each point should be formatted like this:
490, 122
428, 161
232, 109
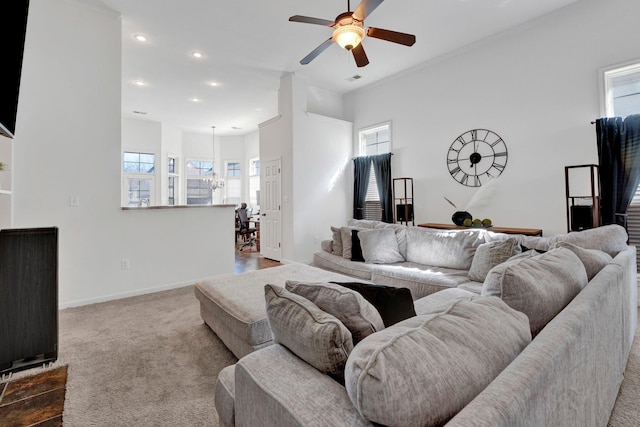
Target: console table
507, 230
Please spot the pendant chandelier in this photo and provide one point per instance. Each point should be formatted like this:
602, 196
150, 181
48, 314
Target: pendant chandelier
215, 181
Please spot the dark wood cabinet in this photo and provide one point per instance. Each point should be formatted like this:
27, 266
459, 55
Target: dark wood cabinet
28, 297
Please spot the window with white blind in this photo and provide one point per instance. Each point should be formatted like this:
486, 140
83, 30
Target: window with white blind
622, 98
373, 141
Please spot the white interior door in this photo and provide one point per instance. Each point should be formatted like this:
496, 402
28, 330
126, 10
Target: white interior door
270, 219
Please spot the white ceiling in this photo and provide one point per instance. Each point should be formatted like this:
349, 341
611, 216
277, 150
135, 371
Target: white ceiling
248, 46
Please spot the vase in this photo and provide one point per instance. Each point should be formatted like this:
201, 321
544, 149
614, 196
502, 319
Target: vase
459, 217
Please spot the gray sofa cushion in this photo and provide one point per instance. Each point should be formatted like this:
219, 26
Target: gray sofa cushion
420, 279
380, 246
451, 355
594, 260
539, 286
490, 254
443, 248
328, 261
351, 308
610, 238
313, 335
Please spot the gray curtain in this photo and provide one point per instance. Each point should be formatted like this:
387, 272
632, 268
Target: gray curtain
382, 169
362, 169
618, 142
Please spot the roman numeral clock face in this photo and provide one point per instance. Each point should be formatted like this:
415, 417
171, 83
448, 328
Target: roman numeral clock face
476, 156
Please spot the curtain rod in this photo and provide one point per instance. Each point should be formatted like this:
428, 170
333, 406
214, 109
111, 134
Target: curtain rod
355, 157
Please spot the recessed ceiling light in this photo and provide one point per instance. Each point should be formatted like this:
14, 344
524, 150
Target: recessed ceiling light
195, 99
197, 54
139, 83
214, 84
140, 37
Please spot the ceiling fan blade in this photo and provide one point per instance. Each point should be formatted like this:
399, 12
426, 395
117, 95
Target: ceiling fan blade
310, 20
315, 52
391, 36
365, 8
360, 56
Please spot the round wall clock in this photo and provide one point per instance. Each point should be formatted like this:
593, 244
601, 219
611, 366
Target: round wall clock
476, 156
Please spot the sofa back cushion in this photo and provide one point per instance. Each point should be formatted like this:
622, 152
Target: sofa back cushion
610, 238
539, 286
594, 260
348, 306
423, 370
310, 333
443, 248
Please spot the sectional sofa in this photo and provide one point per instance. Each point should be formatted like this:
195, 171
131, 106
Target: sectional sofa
542, 339
427, 260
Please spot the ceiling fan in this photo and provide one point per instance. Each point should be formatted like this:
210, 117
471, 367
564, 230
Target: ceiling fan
349, 31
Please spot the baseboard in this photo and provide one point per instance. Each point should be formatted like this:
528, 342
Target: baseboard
137, 292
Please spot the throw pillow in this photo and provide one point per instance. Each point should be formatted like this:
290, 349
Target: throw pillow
356, 248
594, 260
490, 254
336, 236
424, 370
393, 304
348, 306
380, 246
346, 235
313, 335
540, 286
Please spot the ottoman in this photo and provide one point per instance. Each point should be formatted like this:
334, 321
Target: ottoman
233, 305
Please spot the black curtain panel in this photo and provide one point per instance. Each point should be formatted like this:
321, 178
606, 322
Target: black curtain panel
382, 169
618, 142
362, 169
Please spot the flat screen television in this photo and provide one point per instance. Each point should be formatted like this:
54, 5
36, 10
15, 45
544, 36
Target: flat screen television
12, 35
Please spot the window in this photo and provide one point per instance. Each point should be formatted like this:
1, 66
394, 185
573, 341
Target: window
199, 174
254, 184
173, 181
622, 91
622, 98
233, 169
233, 184
373, 141
139, 173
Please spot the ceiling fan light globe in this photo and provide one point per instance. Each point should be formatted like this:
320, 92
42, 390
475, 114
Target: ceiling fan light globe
348, 36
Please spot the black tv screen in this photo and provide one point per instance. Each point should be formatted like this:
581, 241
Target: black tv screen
12, 35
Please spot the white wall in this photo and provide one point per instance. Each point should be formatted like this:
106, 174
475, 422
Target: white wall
315, 151
537, 86
68, 143
323, 178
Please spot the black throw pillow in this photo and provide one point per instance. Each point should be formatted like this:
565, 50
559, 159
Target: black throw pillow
393, 304
356, 248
